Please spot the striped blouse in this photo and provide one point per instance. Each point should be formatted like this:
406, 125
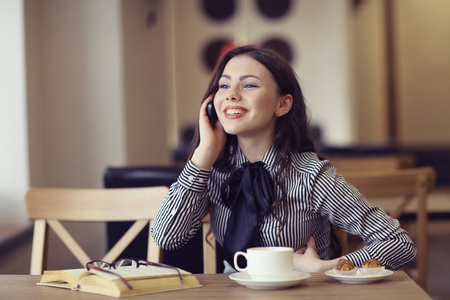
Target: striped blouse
316, 196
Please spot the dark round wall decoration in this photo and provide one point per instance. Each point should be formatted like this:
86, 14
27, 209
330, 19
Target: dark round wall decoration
213, 50
219, 10
280, 46
274, 9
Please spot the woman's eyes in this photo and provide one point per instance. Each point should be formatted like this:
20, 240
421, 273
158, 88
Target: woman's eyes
248, 85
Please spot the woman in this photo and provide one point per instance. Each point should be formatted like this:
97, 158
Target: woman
262, 131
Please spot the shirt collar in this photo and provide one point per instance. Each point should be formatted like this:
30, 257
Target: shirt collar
268, 158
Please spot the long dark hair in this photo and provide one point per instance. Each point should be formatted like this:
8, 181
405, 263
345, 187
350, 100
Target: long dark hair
291, 129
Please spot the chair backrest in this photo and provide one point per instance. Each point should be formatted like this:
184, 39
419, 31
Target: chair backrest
50, 206
346, 163
412, 184
406, 183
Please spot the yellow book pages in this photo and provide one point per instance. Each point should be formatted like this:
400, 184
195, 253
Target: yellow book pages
62, 278
92, 283
142, 280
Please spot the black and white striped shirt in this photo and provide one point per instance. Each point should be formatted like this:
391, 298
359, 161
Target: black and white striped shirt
316, 196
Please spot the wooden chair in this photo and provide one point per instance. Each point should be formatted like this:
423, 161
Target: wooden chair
53, 205
411, 184
209, 248
346, 163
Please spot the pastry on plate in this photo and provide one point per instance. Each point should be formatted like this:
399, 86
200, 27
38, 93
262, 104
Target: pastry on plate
371, 263
371, 267
345, 267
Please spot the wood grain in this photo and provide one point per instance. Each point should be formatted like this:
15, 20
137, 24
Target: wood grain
219, 286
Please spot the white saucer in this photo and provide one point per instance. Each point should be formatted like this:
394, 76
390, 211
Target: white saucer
359, 279
244, 279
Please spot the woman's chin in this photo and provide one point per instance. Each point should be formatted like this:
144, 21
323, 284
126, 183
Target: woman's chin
231, 130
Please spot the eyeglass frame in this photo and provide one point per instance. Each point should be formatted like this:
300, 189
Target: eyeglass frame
118, 263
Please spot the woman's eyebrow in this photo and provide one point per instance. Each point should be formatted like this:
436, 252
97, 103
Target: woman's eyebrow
243, 77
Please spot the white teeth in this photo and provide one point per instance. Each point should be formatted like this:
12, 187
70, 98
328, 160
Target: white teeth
235, 111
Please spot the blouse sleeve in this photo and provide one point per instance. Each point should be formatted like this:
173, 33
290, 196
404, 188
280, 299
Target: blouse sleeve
182, 211
347, 208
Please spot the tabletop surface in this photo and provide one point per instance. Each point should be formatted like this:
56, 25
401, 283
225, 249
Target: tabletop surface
220, 286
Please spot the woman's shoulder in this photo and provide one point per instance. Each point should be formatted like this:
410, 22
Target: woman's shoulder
310, 163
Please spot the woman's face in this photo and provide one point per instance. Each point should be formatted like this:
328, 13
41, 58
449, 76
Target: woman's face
247, 99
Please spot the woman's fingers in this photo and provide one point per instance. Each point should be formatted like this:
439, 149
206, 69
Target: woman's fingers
301, 250
311, 244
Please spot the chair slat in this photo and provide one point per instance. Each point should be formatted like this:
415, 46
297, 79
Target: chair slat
69, 241
345, 163
154, 253
209, 250
93, 204
38, 247
392, 183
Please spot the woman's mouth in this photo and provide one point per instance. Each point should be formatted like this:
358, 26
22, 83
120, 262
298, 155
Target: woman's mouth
235, 111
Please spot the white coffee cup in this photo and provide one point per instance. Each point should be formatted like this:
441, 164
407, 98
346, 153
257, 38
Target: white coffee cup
267, 263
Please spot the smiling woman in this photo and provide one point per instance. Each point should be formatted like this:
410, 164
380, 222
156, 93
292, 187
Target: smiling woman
256, 172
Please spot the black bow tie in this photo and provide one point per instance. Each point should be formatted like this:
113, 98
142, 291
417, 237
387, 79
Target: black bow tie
249, 191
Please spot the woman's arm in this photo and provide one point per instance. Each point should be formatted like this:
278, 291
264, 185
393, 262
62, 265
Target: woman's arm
347, 208
181, 213
187, 202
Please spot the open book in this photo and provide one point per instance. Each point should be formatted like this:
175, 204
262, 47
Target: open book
142, 280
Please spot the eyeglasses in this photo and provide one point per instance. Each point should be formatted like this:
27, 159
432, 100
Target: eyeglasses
104, 266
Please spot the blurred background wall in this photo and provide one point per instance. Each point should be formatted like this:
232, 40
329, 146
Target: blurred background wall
87, 84
14, 163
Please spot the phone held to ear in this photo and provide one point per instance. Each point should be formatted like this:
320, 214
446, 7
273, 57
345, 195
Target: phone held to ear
211, 112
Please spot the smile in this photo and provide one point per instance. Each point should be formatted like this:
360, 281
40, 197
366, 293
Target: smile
235, 111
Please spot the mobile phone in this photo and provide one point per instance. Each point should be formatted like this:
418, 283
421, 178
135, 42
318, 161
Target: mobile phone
211, 112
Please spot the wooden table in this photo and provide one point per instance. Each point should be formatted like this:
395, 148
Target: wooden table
219, 286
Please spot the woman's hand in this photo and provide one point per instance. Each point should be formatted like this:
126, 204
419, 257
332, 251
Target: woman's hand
212, 139
307, 260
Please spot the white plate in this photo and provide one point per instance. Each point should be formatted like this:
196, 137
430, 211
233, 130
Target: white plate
359, 279
244, 279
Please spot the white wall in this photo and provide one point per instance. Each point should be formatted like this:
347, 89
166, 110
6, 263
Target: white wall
14, 174
76, 96
321, 31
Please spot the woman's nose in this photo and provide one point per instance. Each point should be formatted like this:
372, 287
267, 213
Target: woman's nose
233, 95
